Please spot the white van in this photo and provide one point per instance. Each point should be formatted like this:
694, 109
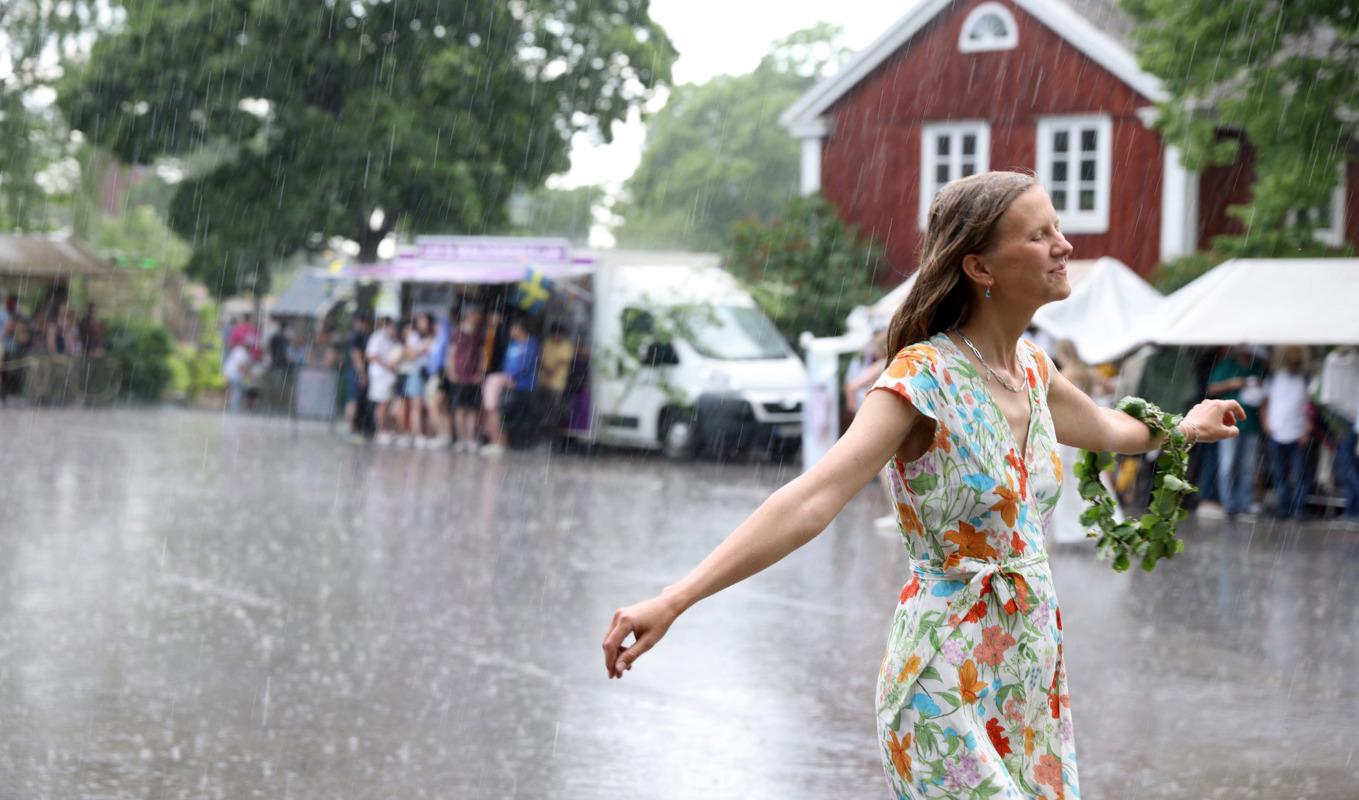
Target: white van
683, 360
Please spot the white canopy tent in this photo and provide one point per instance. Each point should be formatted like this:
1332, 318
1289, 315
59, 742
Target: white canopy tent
1107, 300
1109, 304
1101, 316
1263, 301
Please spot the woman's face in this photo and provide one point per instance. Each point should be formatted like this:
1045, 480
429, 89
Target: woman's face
1028, 258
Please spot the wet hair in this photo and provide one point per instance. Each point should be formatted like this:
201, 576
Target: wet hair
963, 220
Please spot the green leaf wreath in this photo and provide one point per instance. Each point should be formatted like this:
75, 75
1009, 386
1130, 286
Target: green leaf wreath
1152, 537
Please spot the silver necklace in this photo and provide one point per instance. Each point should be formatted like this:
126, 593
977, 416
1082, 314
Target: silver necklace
989, 371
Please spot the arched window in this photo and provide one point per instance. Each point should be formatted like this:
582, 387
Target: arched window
990, 26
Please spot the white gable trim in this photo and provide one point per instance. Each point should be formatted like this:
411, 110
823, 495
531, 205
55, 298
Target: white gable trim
1059, 17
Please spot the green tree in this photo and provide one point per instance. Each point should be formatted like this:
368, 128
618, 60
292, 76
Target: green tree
1281, 73
716, 152
36, 36
568, 213
324, 113
805, 266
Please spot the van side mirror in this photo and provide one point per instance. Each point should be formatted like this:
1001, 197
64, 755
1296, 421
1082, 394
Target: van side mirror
658, 354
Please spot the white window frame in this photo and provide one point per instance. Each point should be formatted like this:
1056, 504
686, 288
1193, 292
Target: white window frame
1073, 219
1334, 233
1007, 42
929, 157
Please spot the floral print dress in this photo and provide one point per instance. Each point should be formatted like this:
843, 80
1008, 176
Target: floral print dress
971, 698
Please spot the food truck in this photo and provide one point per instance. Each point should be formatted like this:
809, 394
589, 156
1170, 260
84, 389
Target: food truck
681, 358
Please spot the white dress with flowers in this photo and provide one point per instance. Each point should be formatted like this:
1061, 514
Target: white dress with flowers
971, 698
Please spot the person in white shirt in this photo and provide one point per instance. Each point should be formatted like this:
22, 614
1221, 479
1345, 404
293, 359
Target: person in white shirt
235, 370
1340, 393
384, 358
1287, 424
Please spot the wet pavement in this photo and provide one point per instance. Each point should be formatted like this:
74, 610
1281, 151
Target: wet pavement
203, 607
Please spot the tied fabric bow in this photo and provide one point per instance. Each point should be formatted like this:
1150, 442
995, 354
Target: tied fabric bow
968, 605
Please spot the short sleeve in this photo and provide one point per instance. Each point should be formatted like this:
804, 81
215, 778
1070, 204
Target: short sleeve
911, 375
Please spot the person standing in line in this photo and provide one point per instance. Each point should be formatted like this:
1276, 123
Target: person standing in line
244, 332
578, 389
496, 383
1239, 378
227, 327
438, 389
299, 350
969, 404
383, 355
862, 371
463, 366
63, 332
554, 368
1339, 394
355, 373
1287, 425
1203, 462
236, 371
9, 314
1064, 525
521, 369
93, 338
419, 341
278, 346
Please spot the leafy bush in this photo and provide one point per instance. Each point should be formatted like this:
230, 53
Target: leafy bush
805, 266
143, 352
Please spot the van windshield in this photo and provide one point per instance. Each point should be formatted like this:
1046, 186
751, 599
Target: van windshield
731, 333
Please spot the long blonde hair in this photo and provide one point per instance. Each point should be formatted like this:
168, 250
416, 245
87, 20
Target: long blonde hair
963, 219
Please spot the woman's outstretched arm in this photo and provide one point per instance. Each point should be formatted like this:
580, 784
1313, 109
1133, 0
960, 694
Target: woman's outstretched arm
1080, 422
788, 519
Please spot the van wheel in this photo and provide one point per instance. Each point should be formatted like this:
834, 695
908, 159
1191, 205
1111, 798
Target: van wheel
679, 436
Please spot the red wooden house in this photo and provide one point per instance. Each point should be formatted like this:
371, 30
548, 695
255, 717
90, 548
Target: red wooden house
962, 86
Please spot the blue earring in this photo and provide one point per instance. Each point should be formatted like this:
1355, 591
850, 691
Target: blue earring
988, 292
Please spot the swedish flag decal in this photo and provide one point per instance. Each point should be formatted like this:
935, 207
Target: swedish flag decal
533, 291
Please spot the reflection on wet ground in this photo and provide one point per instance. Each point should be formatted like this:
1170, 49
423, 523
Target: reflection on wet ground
204, 607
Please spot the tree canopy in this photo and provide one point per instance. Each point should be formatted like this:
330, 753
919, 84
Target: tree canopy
35, 37
320, 114
805, 266
1282, 74
715, 153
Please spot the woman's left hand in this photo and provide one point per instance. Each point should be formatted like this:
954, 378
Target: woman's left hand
1213, 421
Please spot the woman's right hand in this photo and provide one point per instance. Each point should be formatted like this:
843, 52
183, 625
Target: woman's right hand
647, 621
1215, 420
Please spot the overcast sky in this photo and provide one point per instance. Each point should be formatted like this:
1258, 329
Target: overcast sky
716, 37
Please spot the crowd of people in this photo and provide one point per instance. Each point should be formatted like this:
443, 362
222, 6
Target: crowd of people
53, 328
1291, 404
479, 381
249, 353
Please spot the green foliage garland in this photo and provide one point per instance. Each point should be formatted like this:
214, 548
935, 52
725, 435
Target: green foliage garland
1153, 535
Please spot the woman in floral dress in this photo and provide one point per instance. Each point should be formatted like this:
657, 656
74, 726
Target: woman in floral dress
972, 697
